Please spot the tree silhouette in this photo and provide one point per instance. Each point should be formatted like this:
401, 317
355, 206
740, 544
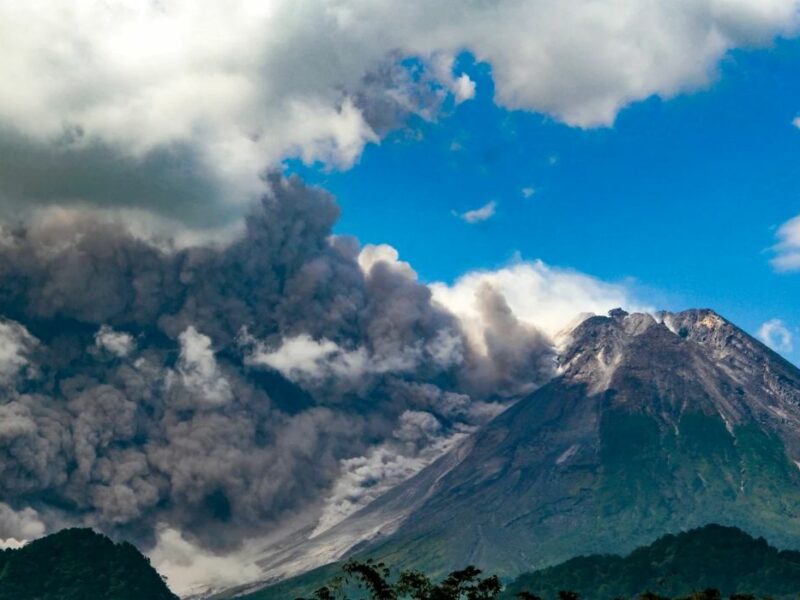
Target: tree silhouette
651, 596
374, 578
374, 582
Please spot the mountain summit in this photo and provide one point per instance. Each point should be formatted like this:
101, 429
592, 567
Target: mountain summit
655, 424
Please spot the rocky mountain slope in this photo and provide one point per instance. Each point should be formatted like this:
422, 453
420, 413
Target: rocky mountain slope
655, 424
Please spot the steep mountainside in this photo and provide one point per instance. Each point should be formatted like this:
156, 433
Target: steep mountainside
79, 564
655, 425
718, 557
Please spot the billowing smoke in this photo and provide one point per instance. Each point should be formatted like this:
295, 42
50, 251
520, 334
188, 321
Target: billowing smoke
161, 386
220, 390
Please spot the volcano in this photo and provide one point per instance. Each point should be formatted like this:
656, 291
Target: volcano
655, 424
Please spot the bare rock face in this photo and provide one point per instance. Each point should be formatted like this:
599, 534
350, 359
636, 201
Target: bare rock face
655, 424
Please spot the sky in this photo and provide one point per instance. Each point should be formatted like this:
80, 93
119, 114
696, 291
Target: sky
679, 199
263, 260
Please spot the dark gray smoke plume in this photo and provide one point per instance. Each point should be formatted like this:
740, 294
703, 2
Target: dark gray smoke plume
220, 390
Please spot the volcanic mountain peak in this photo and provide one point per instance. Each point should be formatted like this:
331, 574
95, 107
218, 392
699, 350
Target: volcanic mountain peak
655, 423
594, 352
697, 350
607, 335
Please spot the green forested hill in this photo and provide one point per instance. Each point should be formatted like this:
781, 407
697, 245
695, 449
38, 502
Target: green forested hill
674, 566
79, 564
713, 556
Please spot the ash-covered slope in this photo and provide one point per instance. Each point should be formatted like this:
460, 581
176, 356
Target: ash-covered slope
653, 426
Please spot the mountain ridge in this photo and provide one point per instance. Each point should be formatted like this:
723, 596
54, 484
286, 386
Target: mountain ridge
678, 565
79, 564
674, 565
577, 445
654, 424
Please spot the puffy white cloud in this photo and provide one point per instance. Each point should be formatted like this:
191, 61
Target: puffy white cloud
118, 343
787, 250
372, 254
191, 569
544, 297
775, 334
302, 358
484, 213
177, 107
528, 192
311, 362
463, 88
198, 371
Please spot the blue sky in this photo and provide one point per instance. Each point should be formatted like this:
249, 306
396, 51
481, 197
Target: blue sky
680, 199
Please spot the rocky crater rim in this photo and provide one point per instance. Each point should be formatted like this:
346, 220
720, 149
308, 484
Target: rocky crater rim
596, 346
633, 324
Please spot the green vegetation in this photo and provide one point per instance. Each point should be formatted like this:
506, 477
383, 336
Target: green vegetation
722, 558
79, 564
708, 563
372, 580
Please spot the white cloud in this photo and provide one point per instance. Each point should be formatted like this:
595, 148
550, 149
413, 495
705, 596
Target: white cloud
198, 371
302, 358
118, 343
787, 250
796, 122
545, 297
312, 362
481, 214
193, 99
190, 569
776, 335
463, 88
528, 192
372, 254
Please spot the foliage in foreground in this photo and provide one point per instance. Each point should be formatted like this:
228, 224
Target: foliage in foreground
369, 580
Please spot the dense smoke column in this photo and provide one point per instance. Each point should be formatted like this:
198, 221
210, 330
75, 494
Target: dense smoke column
222, 389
